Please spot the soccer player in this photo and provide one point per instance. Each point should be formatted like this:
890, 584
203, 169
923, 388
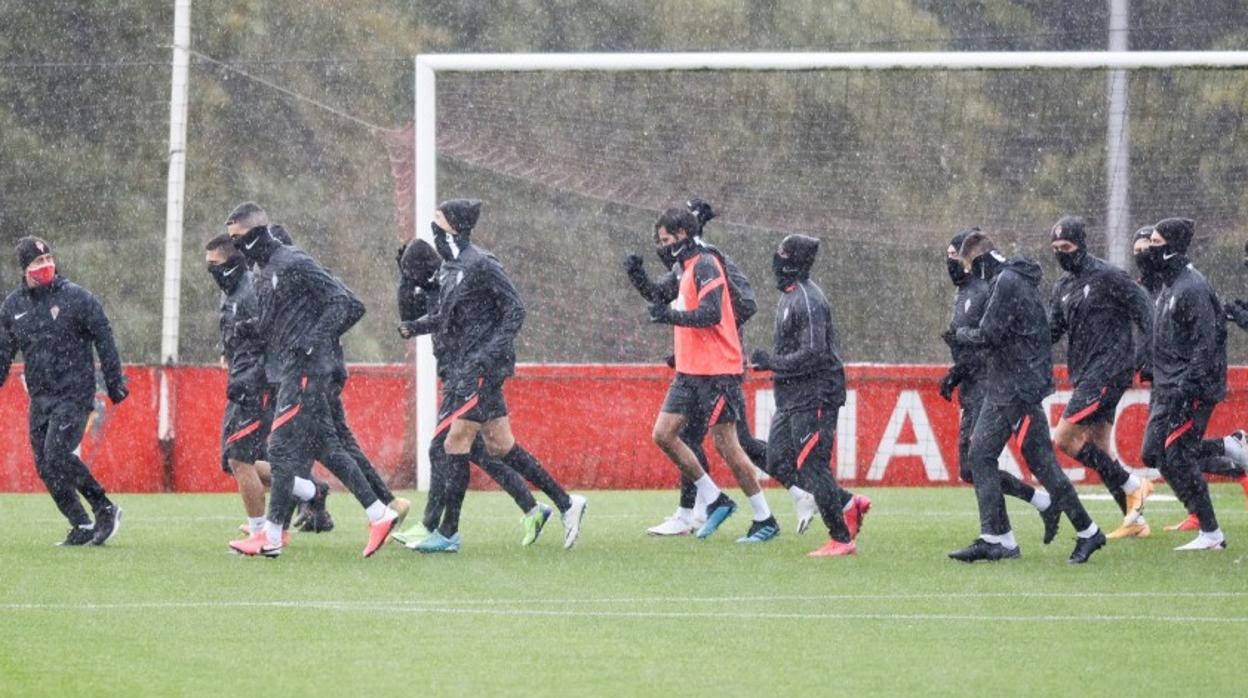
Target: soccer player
419, 264
967, 376
1014, 332
55, 323
303, 312
1097, 306
809, 381
1189, 374
689, 516
479, 314
709, 364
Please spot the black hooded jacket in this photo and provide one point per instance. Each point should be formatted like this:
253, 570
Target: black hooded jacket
1097, 308
806, 360
243, 351
303, 310
969, 361
1014, 332
55, 328
477, 317
1189, 339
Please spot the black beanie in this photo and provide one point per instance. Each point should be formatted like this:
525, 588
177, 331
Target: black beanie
701, 210
282, 235
419, 261
29, 248
802, 250
1072, 229
1144, 233
1177, 232
462, 214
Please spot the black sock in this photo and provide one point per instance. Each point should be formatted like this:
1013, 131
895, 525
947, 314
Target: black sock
453, 494
524, 463
1012, 486
1110, 471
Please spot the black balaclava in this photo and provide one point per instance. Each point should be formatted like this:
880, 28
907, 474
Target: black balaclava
257, 244
1073, 229
1171, 257
957, 273
794, 264
420, 263
461, 215
1144, 260
227, 274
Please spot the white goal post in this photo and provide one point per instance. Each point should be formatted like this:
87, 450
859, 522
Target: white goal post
427, 66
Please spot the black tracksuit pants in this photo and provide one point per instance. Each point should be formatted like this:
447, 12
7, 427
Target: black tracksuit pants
55, 431
339, 414
1011, 485
1027, 423
800, 447
303, 431
1172, 445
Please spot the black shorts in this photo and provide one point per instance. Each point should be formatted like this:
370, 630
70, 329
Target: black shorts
480, 403
799, 437
1095, 401
713, 399
244, 431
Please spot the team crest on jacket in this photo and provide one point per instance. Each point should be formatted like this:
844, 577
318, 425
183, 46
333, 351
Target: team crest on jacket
56, 310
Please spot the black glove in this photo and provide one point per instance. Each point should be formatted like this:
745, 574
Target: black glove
635, 268
398, 256
1237, 312
947, 385
117, 393
1146, 374
760, 360
950, 336
660, 312
670, 361
407, 330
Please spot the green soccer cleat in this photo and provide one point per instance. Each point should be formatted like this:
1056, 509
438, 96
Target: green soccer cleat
534, 523
413, 535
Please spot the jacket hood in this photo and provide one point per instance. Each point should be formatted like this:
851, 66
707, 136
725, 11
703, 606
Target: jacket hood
1025, 267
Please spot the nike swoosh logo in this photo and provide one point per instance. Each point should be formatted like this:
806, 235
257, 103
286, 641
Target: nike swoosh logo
63, 427
232, 269
283, 409
248, 246
19, 316
1170, 256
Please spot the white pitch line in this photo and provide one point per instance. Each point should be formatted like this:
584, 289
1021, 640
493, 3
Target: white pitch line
417, 604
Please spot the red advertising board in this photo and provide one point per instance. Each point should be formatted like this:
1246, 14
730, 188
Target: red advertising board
590, 424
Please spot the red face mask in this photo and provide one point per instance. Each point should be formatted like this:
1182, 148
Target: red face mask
43, 275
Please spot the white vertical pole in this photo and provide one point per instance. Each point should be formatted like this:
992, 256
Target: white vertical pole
426, 201
1118, 145
173, 206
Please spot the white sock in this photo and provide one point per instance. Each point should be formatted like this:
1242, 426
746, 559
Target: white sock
708, 491
797, 492
1214, 536
1041, 500
304, 490
1132, 484
988, 538
255, 523
1089, 531
537, 509
376, 511
273, 532
88, 527
758, 503
1007, 539
684, 514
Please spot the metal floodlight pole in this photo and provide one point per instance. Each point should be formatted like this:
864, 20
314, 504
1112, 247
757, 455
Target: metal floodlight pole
428, 65
175, 198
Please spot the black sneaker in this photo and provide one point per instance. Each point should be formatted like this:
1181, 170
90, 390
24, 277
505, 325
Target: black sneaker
983, 550
317, 518
1051, 517
78, 536
320, 522
304, 519
1084, 547
107, 523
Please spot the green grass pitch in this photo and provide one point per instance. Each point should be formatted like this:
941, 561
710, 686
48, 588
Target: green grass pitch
165, 610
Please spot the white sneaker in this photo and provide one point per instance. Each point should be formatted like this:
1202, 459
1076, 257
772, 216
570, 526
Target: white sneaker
572, 521
1236, 445
1206, 541
674, 525
806, 510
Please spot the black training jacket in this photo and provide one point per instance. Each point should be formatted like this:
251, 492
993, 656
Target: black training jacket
969, 361
420, 306
243, 351
1098, 308
1189, 339
303, 311
55, 327
478, 315
806, 359
1014, 330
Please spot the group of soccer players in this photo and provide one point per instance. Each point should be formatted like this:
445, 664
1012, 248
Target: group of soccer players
282, 316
